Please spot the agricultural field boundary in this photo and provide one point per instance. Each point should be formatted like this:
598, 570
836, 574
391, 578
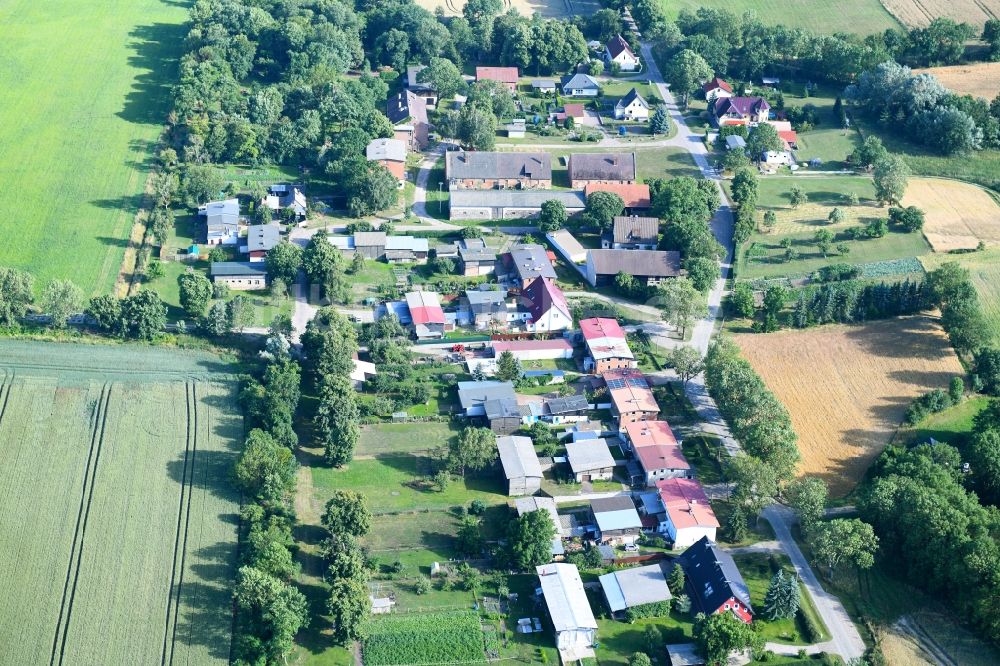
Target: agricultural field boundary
100, 420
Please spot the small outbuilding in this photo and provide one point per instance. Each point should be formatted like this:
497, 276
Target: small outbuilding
590, 460
520, 465
631, 588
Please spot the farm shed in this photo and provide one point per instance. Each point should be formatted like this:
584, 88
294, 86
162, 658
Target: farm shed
568, 409
617, 520
586, 168
590, 460
638, 586
239, 275
569, 609
520, 465
509, 204
567, 245
648, 267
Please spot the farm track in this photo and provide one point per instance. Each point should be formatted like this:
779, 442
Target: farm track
100, 420
5, 389
183, 519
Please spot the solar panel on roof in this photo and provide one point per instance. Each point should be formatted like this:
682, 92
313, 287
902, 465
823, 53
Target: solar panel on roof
616, 383
638, 382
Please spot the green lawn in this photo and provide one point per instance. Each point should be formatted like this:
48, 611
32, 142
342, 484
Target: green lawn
758, 531
772, 263
757, 571
437, 192
403, 437
86, 90
953, 425
619, 640
705, 453
984, 268
775, 191
860, 16
667, 162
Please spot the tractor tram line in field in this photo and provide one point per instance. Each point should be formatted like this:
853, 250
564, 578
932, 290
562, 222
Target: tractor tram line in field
5, 388
98, 425
183, 522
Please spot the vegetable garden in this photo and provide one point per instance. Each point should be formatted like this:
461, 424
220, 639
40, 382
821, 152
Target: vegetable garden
429, 638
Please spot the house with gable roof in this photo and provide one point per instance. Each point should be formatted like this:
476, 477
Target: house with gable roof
739, 111
713, 581
632, 107
482, 170
716, 89
687, 516
407, 111
546, 306
617, 50
520, 465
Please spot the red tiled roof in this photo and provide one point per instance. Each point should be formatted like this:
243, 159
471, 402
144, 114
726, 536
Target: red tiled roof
630, 391
686, 503
789, 137
635, 195
716, 83
655, 445
501, 74
424, 308
601, 328
573, 110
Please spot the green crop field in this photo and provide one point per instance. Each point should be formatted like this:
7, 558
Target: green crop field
118, 524
861, 16
428, 638
86, 89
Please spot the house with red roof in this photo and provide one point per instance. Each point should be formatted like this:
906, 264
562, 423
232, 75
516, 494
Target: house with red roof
687, 515
716, 89
790, 139
506, 75
607, 347
635, 196
632, 398
426, 314
546, 307
657, 450
739, 111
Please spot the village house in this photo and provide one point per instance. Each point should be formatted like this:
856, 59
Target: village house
520, 465
688, 516
617, 521
631, 397
260, 239
617, 51
574, 111
716, 89
656, 449
488, 307
407, 111
509, 204
713, 581
648, 267
475, 170
567, 409
493, 402
222, 221
570, 612
546, 307
377, 245
390, 153
739, 111
580, 85
543, 86
422, 88
363, 370
507, 76
632, 233
607, 347
567, 245
525, 262
475, 257
282, 196
630, 588
590, 460
632, 107
239, 275
525, 505
635, 196
426, 315
587, 168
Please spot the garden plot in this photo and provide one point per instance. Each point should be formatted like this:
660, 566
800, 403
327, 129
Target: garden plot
455, 637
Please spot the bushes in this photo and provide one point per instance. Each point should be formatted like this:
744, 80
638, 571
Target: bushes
837, 273
657, 609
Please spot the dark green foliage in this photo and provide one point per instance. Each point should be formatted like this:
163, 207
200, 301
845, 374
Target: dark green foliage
347, 512
15, 295
837, 273
529, 540
266, 470
783, 597
553, 216
657, 609
951, 289
853, 301
195, 293
602, 207
336, 420
910, 218
269, 612
987, 364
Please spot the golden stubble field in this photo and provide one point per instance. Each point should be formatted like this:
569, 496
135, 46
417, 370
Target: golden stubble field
959, 215
981, 79
846, 387
919, 13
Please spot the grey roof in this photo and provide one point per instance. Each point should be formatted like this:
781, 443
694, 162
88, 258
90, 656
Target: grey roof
528, 504
393, 150
478, 252
237, 269
407, 105
638, 586
571, 403
504, 408
615, 513
602, 166
712, 576
580, 81
646, 263
589, 454
632, 229
530, 262
486, 300
565, 597
473, 394
571, 199
518, 457
262, 237
369, 239
734, 141
630, 97
411, 78
479, 165
220, 215
543, 84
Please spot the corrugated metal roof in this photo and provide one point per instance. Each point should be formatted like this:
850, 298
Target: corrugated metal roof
638, 586
565, 597
589, 455
518, 457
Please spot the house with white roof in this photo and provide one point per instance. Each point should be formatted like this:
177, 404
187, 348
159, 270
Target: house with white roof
570, 612
607, 347
617, 521
631, 588
520, 465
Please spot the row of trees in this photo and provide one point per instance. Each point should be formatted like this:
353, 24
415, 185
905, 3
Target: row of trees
854, 301
60, 298
347, 519
269, 608
924, 110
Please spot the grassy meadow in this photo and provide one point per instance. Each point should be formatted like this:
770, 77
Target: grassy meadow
118, 535
860, 16
86, 89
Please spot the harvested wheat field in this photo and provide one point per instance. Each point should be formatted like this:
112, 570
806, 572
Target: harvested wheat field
959, 215
919, 13
846, 387
981, 79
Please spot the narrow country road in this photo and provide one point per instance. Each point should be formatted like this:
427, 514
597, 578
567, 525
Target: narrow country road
845, 639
